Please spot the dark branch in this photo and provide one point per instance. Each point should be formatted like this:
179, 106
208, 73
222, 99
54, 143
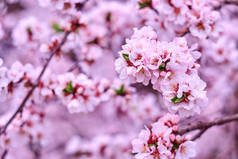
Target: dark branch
199, 134
226, 3
152, 8
5, 152
207, 125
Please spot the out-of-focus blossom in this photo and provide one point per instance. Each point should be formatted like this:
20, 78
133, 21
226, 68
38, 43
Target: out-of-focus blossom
178, 18
2, 33
30, 31
79, 93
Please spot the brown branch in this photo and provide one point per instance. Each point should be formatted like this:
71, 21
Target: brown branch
22, 105
231, 3
207, 125
199, 134
226, 3
4, 154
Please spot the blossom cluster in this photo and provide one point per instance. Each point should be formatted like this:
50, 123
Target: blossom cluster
65, 6
114, 80
27, 128
222, 50
180, 17
162, 141
170, 66
79, 93
100, 147
91, 42
127, 102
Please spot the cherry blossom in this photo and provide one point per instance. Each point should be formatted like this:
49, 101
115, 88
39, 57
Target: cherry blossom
131, 79
162, 141
29, 30
178, 18
79, 93
171, 67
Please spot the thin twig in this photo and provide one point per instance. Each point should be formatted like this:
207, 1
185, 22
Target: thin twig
22, 105
152, 8
199, 134
206, 125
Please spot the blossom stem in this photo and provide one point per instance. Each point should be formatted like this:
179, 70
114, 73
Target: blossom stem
152, 8
203, 126
28, 95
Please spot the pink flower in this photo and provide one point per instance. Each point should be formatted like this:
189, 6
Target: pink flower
171, 67
162, 141
29, 31
186, 150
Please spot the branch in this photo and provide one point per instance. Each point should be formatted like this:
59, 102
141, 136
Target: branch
231, 3
226, 3
22, 105
5, 152
206, 125
198, 135
153, 9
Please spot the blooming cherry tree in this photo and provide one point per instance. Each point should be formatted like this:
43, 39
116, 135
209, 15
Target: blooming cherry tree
112, 79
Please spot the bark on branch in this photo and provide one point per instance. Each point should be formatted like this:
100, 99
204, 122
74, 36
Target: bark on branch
206, 125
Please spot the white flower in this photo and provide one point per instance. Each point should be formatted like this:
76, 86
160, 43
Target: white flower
186, 150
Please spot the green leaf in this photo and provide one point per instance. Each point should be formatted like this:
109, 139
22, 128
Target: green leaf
57, 28
108, 17
143, 5
154, 144
69, 88
126, 57
28, 29
176, 100
162, 66
120, 91
175, 146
